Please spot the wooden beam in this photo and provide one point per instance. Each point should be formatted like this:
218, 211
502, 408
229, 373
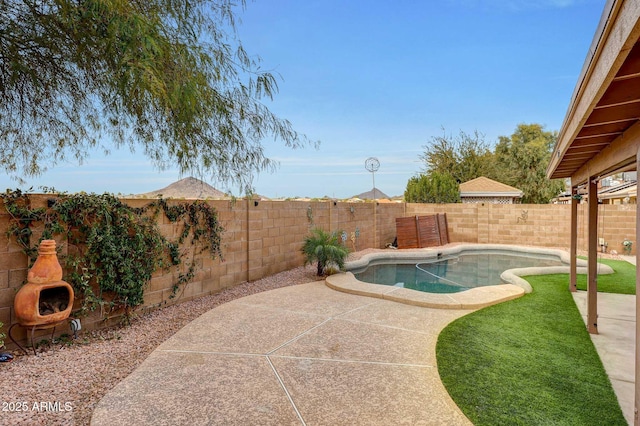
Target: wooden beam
576, 162
585, 153
609, 114
573, 265
621, 92
599, 141
636, 420
592, 268
590, 140
615, 128
631, 66
618, 33
620, 152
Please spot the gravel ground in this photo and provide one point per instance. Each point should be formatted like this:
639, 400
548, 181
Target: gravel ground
62, 385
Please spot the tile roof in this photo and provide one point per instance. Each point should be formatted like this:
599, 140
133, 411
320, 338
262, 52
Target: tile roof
485, 186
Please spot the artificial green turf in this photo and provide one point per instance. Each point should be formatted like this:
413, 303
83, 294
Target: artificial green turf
529, 361
623, 281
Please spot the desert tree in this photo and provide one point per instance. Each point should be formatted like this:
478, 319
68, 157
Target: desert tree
522, 160
463, 157
434, 187
519, 160
169, 78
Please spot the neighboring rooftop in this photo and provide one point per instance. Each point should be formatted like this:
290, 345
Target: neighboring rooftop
483, 189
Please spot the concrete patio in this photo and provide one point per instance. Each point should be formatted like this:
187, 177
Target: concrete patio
304, 354
308, 354
616, 341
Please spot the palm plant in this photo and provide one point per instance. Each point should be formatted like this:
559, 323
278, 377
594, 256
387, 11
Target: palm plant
324, 248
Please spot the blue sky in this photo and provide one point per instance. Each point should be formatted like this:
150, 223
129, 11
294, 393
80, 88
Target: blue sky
381, 78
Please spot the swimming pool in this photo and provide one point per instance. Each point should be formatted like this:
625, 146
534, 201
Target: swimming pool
474, 297
452, 273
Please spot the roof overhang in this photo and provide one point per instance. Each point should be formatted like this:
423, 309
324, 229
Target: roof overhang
601, 131
628, 192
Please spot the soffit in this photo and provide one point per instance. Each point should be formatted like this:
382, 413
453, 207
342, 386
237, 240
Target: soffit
606, 102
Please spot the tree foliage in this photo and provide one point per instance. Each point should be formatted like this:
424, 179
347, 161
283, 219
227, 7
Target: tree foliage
519, 160
522, 161
434, 187
168, 77
464, 157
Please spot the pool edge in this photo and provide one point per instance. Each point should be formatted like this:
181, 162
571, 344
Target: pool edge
474, 298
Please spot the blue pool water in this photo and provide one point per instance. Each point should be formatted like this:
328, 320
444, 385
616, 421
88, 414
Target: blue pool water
454, 273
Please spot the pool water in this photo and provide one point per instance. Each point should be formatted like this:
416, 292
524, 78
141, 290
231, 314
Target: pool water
452, 274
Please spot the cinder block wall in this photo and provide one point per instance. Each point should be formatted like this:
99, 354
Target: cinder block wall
264, 237
543, 225
616, 222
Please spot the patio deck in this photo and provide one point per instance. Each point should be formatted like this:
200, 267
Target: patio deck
616, 341
307, 354
304, 354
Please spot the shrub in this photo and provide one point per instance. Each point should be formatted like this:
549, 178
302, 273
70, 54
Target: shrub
116, 248
324, 248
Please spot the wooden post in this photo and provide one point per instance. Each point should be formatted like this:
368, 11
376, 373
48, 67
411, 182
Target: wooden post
574, 240
446, 228
636, 420
592, 272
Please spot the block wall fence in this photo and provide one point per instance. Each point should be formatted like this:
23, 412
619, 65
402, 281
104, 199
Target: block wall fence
262, 238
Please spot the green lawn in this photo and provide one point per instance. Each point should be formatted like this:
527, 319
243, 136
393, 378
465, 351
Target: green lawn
622, 282
529, 361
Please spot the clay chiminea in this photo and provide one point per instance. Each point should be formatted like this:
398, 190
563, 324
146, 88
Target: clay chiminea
45, 300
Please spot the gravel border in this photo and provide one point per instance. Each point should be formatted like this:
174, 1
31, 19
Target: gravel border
63, 383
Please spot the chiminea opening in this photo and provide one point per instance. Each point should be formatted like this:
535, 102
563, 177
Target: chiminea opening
43, 304
53, 300
45, 301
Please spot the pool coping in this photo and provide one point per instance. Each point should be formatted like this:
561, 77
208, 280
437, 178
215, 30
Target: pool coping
474, 298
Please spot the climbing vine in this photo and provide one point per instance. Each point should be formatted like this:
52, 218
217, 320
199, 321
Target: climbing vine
113, 248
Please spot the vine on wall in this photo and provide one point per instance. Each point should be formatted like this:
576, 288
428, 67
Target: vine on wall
114, 249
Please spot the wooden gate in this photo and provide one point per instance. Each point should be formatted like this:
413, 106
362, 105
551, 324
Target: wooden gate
422, 231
